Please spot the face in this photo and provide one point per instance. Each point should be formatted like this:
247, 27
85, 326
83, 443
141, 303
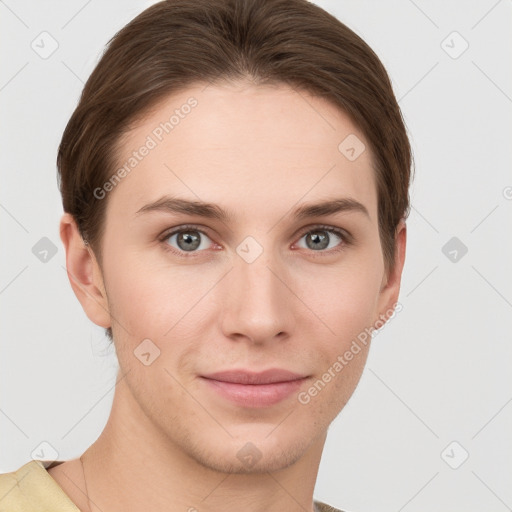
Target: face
246, 285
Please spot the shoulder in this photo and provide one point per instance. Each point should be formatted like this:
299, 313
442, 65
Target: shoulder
31, 488
323, 507
13, 485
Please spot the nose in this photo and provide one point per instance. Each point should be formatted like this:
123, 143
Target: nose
259, 304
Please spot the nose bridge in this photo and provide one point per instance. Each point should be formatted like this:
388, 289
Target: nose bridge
258, 303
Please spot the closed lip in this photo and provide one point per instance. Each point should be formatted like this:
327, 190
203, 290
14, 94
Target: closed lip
271, 376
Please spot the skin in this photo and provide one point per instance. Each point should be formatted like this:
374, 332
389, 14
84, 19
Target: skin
170, 442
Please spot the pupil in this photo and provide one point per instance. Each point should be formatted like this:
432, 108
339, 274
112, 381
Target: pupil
191, 242
320, 241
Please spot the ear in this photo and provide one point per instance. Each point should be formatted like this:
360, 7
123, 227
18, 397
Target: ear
392, 278
84, 273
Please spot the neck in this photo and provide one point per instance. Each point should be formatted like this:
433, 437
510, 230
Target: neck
133, 467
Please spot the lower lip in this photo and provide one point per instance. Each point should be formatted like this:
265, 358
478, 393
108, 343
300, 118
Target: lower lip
255, 395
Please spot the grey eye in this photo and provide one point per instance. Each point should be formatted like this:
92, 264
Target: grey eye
320, 239
188, 240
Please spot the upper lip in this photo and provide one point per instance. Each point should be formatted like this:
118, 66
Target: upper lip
247, 377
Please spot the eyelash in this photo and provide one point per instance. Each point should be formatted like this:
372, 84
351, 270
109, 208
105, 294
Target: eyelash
345, 237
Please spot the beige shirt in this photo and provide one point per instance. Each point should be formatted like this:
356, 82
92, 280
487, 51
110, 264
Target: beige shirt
32, 489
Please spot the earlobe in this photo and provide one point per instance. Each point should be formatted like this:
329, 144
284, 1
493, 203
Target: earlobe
391, 283
84, 273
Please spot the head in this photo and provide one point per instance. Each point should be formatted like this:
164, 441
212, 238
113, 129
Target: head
195, 174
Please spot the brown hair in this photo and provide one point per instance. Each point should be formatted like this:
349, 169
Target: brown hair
177, 43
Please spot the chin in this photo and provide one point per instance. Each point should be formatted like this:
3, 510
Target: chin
252, 454
249, 459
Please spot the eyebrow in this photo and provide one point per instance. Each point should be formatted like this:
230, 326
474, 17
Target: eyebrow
213, 211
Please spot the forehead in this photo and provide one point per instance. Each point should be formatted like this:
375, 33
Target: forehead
244, 146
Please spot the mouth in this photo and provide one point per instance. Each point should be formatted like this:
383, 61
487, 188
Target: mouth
250, 389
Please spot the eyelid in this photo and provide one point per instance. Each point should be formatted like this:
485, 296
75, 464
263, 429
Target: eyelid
183, 227
342, 233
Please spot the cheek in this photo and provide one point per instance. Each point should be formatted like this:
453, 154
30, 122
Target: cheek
345, 300
150, 299
347, 305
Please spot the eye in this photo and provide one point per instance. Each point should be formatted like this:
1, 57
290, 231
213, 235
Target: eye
186, 239
324, 239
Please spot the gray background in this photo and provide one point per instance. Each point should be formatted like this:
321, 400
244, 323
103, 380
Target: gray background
437, 386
